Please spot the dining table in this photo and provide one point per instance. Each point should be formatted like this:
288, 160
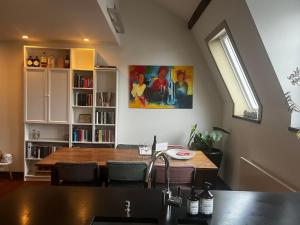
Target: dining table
206, 170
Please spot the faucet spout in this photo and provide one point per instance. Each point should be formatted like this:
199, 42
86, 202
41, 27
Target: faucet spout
167, 168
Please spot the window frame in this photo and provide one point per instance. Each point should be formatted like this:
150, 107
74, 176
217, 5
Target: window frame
210, 37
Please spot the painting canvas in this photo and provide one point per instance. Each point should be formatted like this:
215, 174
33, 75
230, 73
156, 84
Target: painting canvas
161, 87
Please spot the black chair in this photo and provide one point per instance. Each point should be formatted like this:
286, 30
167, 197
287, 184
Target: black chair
126, 174
125, 146
75, 174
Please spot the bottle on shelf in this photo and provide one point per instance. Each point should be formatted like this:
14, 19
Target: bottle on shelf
44, 60
206, 200
36, 62
30, 61
154, 145
51, 61
193, 203
67, 61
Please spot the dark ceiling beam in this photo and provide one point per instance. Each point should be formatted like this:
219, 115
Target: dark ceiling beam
198, 12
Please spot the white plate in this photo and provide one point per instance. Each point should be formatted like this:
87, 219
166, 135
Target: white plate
173, 153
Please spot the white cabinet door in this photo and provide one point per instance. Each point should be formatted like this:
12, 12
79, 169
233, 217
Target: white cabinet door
58, 85
35, 95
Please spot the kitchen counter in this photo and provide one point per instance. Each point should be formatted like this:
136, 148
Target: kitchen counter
78, 205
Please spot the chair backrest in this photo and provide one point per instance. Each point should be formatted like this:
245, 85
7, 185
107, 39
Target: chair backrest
178, 175
64, 173
126, 146
126, 171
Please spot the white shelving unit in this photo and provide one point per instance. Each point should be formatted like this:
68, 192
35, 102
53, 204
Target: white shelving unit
50, 110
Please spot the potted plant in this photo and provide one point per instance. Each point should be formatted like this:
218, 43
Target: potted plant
205, 141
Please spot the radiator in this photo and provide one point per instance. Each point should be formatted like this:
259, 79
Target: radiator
254, 178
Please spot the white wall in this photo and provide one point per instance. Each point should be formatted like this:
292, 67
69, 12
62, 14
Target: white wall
153, 36
278, 24
269, 144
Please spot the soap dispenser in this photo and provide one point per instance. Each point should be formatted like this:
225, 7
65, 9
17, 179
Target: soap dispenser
206, 200
193, 203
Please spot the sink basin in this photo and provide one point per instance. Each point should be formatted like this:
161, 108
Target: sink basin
123, 221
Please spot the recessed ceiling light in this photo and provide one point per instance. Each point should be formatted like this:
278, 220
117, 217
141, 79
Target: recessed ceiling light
25, 37
86, 39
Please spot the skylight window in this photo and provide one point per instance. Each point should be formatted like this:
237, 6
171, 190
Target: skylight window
234, 74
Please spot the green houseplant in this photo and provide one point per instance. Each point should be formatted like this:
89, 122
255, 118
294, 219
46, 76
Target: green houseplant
206, 141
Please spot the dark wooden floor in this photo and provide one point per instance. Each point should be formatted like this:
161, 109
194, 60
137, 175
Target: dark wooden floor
7, 185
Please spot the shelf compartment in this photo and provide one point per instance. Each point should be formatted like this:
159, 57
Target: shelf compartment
47, 141
82, 58
50, 133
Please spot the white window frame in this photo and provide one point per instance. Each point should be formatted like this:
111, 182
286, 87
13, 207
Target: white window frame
223, 35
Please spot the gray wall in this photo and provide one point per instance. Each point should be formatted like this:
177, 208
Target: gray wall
268, 144
278, 24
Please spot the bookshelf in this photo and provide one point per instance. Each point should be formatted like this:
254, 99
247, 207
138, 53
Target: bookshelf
66, 107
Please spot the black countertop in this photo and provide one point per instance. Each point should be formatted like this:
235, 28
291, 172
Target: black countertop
78, 206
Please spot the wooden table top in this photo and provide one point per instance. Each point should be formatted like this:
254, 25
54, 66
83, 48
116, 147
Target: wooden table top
102, 155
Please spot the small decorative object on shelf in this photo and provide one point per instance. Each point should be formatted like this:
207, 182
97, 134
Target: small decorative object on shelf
85, 118
67, 61
35, 134
36, 62
105, 98
30, 61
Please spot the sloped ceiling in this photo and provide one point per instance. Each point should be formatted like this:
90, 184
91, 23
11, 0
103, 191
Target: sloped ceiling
182, 8
53, 20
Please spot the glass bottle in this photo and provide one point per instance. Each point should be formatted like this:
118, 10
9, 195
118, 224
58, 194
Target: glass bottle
36, 62
193, 203
30, 61
206, 200
154, 145
44, 60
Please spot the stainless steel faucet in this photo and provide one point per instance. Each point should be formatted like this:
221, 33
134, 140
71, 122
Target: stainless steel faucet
166, 191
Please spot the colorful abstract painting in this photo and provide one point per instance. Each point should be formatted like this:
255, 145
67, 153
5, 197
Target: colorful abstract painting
161, 87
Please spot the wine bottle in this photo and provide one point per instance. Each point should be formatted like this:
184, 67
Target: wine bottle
44, 60
36, 62
30, 61
67, 61
154, 145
